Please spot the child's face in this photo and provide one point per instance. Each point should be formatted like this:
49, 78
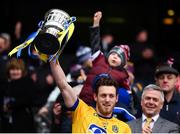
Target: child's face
114, 60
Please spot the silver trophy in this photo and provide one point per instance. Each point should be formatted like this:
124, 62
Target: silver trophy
51, 37
55, 22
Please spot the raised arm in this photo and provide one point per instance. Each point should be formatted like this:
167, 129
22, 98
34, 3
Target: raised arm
95, 38
96, 19
66, 90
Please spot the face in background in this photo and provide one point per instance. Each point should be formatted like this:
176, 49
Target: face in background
15, 73
107, 39
114, 60
147, 53
142, 36
18, 29
151, 102
167, 82
2, 44
106, 99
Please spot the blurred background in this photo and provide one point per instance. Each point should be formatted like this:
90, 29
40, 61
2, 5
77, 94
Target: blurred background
121, 17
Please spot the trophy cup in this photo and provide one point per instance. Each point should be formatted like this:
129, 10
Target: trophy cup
51, 37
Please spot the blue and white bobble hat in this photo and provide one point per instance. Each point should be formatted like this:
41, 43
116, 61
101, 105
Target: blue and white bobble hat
83, 53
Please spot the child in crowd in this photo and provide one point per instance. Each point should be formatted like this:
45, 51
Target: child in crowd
112, 64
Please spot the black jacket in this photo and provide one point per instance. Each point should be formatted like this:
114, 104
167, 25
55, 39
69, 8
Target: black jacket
171, 110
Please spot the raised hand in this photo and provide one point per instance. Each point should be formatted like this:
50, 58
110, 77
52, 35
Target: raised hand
96, 19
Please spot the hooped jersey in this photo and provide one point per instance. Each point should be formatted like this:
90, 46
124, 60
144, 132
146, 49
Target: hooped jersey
86, 120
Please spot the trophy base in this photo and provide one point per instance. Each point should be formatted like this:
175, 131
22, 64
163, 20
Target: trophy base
46, 43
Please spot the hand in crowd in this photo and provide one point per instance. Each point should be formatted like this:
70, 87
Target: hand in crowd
43, 110
97, 18
57, 109
34, 77
82, 76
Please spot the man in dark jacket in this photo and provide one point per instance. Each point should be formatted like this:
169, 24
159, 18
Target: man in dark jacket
166, 77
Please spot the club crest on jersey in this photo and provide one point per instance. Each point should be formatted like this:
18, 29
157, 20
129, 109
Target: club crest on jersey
95, 114
96, 129
115, 129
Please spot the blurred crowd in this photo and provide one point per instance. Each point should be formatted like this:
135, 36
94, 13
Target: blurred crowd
30, 101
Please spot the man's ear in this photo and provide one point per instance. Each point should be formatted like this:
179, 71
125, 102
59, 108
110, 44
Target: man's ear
95, 97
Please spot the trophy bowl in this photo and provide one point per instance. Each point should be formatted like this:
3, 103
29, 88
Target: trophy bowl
51, 37
55, 21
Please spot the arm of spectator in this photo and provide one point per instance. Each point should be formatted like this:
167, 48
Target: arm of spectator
96, 19
66, 90
95, 38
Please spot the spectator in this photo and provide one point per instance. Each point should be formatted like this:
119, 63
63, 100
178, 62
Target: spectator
84, 64
44, 83
8, 40
4, 46
17, 35
143, 57
150, 122
166, 77
83, 55
84, 118
19, 91
107, 42
62, 119
113, 63
136, 91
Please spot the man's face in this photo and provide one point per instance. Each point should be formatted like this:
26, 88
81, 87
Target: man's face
151, 102
142, 36
2, 44
105, 100
166, 82
114, 60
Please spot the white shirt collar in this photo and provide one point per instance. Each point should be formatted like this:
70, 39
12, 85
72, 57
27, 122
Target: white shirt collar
154, 117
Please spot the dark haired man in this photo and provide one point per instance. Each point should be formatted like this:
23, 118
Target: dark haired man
86, 119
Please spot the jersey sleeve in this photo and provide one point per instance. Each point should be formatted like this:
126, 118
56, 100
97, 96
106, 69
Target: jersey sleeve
80, 109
